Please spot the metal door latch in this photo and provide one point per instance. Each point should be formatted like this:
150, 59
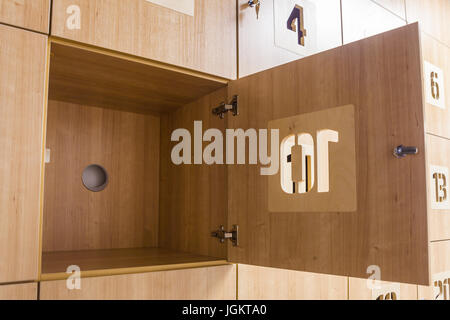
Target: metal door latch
223, 235
224, 108
401, 151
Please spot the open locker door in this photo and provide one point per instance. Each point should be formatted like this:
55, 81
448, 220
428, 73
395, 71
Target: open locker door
340, 202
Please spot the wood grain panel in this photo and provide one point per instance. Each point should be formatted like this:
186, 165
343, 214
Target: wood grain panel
26, 291
125, 214
213, 283
358, 290
205, 42
396, 6
364, 18
381, 77
257, 49
117, 261
110, 80
439, 263
438, 150
432, 15
439, 257
22, 62
28, 14
259, 283
437, 54
193, 198
425, 293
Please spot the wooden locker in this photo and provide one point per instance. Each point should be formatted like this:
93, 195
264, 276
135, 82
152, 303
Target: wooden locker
114, 103
214, 283
23, 64
432, 15
79, 135
439, 288
28, 14
205, 42
25, 291
193, 198
155, 214
440, 257
109, 110
81, 74
258, 47
438, 150
364, 18
436, 66
426, 293
396, 6
259, 283
364, 289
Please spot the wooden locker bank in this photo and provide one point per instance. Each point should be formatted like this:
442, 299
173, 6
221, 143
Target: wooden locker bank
126, 177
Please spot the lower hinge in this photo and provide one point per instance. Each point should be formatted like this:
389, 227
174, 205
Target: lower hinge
223, 235
223, 108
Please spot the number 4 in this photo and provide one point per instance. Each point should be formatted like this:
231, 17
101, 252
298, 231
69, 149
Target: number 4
296, 17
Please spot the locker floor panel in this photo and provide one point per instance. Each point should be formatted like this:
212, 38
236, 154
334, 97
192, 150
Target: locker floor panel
120, 261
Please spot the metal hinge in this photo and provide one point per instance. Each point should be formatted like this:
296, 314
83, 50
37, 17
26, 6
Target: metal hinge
224, 108
223, 235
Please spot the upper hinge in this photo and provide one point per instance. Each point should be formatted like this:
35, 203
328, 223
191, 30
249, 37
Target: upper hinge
223, 235
224, 108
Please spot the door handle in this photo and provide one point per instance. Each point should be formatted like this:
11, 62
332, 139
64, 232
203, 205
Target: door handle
401, 151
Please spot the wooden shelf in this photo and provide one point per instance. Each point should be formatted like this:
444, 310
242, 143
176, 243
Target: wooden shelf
94, 263
93, 76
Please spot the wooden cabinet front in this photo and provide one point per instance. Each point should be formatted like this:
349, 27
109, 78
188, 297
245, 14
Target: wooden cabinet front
436, 85
204, 41
395, 6
25, 291
438, 150
213, 283
22, 63
381, 78
28, 14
